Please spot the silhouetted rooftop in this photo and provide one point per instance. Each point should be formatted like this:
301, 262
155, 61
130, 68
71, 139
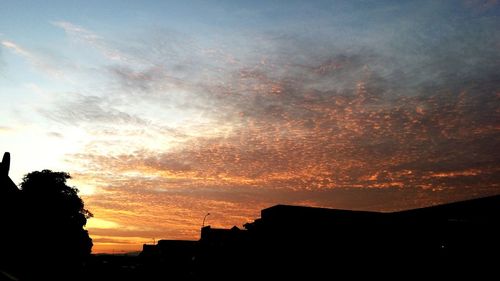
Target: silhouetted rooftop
473, 208
6, 184
469, 207
290, 210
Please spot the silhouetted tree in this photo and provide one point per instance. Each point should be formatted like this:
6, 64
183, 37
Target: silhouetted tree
54, 215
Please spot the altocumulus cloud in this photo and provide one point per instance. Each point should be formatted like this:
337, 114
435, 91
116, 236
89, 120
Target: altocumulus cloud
371, 106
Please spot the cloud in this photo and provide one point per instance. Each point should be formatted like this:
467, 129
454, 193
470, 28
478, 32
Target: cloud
47, 62
150, 208
55, 135
165, 215
361, 112
80, 109
16, 49
386, 115
95, 41
343, 142
111, 240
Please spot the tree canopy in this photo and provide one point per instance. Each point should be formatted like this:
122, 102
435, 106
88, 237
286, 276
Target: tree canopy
48, 191
54, 217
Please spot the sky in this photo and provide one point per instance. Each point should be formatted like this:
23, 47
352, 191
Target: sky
164, 111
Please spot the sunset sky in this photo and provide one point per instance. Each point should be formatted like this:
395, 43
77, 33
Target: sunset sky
165, 111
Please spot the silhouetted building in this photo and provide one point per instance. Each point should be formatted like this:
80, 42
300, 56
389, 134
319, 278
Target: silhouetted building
316, 243
9, 219
221, 237
7, 186
222, 252
170, 258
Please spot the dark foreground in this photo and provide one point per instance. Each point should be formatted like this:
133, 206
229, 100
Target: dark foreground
289, 242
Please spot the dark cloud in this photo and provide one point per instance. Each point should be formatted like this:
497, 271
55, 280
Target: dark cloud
110, 240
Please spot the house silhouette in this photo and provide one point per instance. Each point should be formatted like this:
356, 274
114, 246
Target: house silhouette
289, 242
10, 219
7, 186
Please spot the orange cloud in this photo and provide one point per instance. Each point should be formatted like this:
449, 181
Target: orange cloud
359, 130
357, 142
